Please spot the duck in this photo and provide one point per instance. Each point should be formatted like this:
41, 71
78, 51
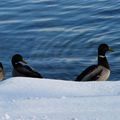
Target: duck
21, 68
2, 74
100, 71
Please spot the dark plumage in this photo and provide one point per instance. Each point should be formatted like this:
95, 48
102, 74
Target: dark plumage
20, 68
99, 72
2, 75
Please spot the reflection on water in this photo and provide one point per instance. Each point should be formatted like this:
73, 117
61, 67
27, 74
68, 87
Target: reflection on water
59, 38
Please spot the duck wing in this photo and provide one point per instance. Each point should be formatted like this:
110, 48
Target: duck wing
92, 73
27, 71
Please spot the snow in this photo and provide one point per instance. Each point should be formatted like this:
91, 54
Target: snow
48, 99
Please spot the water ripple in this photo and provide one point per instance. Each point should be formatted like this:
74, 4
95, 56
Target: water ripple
59, 38
11, 21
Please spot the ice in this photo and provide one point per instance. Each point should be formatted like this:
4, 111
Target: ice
49, 99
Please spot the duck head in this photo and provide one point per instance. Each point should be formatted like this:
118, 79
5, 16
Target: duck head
17, 58
1, 66
103, 48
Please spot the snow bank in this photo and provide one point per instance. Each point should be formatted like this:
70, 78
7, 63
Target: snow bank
46, 99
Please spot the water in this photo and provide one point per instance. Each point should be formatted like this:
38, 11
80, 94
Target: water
59, 38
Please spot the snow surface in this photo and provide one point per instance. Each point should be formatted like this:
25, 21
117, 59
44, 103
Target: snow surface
46, 99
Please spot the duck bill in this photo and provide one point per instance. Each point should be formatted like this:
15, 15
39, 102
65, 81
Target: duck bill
111, 50
24, 61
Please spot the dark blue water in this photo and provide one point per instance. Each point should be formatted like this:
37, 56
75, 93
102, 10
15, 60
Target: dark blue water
59, 38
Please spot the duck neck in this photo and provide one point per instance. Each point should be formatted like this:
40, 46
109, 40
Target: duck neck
13, 64
102, 60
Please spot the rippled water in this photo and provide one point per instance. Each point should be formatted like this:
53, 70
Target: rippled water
59, 38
